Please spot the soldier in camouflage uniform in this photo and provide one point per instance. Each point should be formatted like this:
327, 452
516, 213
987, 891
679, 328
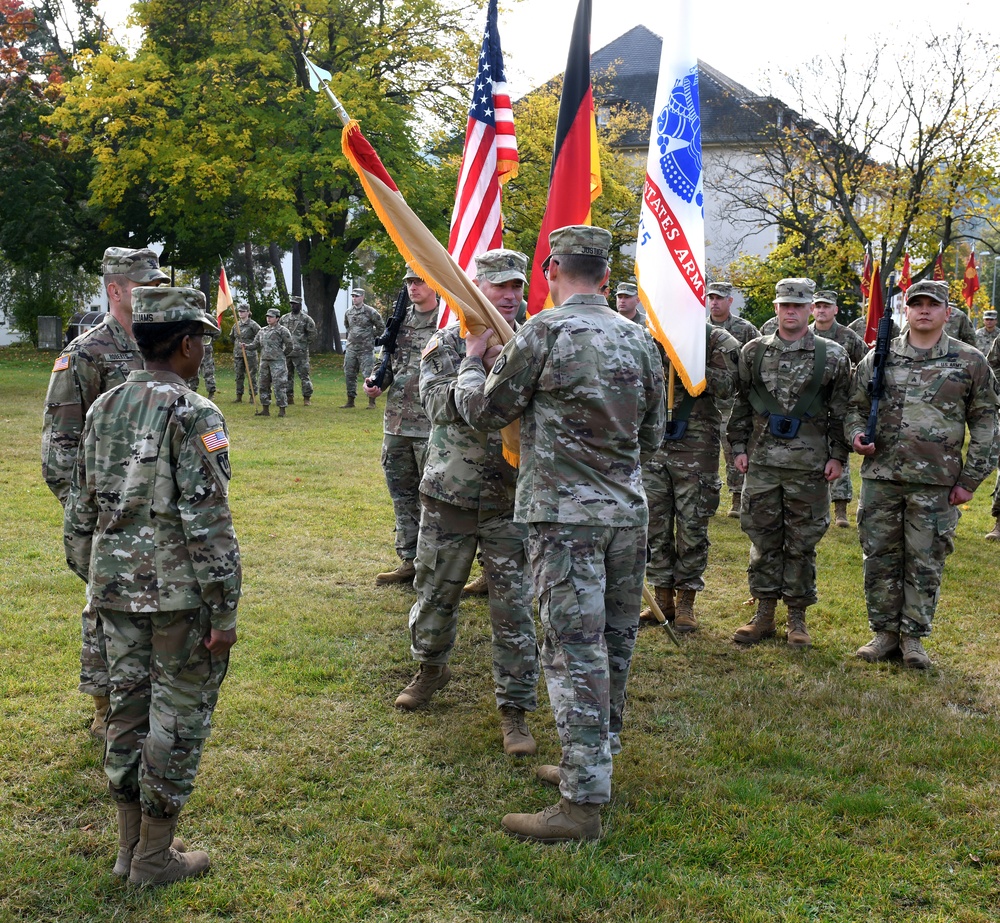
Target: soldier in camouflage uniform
627, 303
303, 330
363, 325
682, 485
273, 344
467, 493
719, 297
825, 310
243, 335
148, 528
769, 326
93, 363
588, 387
206, 371
787, 435
914, 478
404, 447
860, 326
993, 359
987, 334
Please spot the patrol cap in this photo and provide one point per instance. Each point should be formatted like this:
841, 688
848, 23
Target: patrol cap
936, 291
273, 312
295, 299
137, 265
722, 289
826, 296
501, 265
627, 288
167, 305
411, 273
578, 240
358, 291
991, 314
243, 309
794, 291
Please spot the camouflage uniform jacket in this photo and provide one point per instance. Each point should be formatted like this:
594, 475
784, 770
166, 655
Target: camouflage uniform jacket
930, 398
464, 467
786, 371
985, 339
244, 332
147, 522
860, 325
721, 357
640, 316
303, 330
855, 347
959, 327
273, 342
363, 324
404, 415
93, 363
742, 329
588, 387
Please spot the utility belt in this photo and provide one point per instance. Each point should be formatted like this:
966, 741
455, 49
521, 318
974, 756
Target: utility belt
783, 425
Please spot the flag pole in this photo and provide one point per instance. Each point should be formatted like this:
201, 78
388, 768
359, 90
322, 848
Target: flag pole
243, 349
337, 105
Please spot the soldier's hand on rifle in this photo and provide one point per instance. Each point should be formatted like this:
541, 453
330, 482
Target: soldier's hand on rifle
833, 470
863, 448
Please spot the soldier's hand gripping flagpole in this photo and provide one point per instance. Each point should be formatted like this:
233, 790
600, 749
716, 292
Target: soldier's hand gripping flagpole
236, 329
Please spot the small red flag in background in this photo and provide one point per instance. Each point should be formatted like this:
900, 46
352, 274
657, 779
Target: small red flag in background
225, 299
938, 274
971, 285
905, 281
876, 307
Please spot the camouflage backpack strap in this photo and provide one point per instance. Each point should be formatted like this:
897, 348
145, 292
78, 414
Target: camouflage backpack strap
809, 401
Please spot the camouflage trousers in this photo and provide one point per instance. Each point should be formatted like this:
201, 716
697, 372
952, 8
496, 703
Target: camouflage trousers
299, 364
682, 489
357, 359
995, 511
785, 513
842, 489
734, 480
588, 581
93, 656
906, 532
272, 371
445, 550
206, 370
240, 369
403, 465
164, 688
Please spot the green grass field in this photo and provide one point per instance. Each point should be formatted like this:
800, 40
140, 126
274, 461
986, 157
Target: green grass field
755, 785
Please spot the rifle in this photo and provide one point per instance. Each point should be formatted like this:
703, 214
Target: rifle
388, 342
880, 355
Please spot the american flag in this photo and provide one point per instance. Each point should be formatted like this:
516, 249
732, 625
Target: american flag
489, 160
215, 440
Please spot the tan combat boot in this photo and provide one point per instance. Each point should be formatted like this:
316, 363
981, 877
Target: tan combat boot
685, 620
156, 862
560, 823
428, 679
881, 646
664, 597
914, 654
548, 774
994, 536
477, 587
307, 401
403, 574
99, 726
517, 739
840, 514
129, 823
265, 411
734, 512
371, 403
761, 626
798, 636
350, 402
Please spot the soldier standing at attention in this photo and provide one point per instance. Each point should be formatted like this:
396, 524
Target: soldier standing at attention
207, 370
719, 296
787, 436
993, 359
243, 335
825, 310
987, 334
303, 330
148, 528
363, 325
860, 324
682, 484
273, 344
404, 447
93, 363
913, 478
467, 495
628, 304
588, 387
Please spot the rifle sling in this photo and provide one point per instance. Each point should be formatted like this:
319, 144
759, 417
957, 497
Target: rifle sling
809, 402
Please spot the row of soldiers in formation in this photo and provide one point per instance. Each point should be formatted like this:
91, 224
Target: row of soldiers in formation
598, 466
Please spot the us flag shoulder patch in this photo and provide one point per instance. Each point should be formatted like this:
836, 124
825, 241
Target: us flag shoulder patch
215, 440
61, 364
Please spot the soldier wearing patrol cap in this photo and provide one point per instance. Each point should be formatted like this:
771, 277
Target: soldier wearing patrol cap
273, 344
93, 363
148, 527
467, 494
363, 325
787, 436
627, 303
243, 335
719, 298
588, 385
914, 478
303, 330
986, 334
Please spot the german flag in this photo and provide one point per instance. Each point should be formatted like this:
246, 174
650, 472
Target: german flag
575, 178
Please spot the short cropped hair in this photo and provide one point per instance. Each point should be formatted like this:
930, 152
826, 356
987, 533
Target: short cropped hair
158, 342
582, 268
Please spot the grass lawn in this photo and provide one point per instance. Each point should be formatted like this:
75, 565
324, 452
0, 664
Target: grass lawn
755, 785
